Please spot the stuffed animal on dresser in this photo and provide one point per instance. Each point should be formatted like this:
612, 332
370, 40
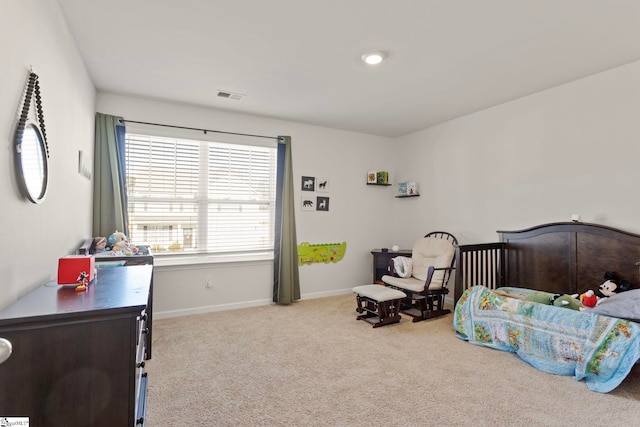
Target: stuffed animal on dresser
100, 243
118, 241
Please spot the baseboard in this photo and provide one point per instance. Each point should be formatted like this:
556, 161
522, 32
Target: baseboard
236, 305
209, 309
332, 293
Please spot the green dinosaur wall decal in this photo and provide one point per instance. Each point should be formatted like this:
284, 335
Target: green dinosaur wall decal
323, 252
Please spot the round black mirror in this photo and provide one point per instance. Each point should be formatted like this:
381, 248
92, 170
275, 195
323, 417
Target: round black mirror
31, 149
31, 162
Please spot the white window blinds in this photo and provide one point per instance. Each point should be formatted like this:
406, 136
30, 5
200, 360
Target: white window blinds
189, 196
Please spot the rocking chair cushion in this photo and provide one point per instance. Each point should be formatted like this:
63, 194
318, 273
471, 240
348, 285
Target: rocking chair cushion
408, 283
378, 293
429, 252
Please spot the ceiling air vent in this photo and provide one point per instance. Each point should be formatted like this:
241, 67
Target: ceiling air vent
230, 95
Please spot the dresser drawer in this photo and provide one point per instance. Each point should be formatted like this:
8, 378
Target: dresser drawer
141, 394
141, 401
142, 336
140, 373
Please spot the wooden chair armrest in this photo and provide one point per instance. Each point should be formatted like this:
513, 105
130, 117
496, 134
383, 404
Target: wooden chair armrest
431, 271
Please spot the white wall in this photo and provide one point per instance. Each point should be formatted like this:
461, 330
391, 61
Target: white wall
571, 149
33, 33
358, 214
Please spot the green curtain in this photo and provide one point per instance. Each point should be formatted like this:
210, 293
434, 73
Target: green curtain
286, 280
109, 182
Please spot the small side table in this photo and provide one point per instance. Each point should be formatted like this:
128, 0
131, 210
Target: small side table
381, 261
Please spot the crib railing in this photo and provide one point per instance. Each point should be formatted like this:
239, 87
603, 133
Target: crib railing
479, 264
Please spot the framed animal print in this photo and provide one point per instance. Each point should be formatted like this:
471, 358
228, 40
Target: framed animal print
308, 183
322, 204
322, 185
307, 204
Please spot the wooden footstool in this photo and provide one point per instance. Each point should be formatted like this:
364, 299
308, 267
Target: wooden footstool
380, 305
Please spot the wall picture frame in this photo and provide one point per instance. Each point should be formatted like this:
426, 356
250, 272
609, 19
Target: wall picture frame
308, 183
402, 189
307, 204
322, 204
322, 185
412, 188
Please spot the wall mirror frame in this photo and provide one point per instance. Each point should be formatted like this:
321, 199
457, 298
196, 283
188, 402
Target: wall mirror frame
31, 148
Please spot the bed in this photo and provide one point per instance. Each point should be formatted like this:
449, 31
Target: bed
493, 281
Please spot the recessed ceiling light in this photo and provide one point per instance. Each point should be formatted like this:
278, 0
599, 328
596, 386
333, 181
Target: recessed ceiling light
374, 58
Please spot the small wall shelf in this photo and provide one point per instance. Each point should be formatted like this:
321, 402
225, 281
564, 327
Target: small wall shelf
410, 195
378, 178
407, 189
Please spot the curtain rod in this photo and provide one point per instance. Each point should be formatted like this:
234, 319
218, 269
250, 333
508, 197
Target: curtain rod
203, 130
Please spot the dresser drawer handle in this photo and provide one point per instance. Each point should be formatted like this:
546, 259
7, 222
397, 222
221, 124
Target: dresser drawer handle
5, 349
141, 364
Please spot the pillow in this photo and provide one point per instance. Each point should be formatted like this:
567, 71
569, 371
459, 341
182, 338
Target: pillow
625, 305
402, 266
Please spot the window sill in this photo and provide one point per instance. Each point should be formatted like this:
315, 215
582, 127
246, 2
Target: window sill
200, 261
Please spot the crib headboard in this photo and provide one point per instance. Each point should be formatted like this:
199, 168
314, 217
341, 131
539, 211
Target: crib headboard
563, 257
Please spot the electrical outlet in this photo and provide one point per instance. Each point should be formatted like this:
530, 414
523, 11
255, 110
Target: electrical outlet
208, 283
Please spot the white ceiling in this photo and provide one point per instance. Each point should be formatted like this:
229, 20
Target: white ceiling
299, 60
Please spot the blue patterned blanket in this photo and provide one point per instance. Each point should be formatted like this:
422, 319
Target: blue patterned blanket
599, 349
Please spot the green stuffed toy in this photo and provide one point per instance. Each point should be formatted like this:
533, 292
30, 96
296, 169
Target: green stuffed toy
540, 297
547, 298
567, 301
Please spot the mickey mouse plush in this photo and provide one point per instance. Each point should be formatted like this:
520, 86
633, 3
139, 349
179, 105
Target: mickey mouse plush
612, 285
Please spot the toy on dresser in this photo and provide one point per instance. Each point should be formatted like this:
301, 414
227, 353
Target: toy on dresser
100, 243
117, 244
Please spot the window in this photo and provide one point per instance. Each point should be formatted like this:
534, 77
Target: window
200, 197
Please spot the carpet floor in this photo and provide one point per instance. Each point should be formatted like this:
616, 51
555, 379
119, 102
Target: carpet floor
312, 364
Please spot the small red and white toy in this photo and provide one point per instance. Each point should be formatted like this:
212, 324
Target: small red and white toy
589, 299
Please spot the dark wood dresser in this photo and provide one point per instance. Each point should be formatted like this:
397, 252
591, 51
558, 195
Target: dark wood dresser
78, 357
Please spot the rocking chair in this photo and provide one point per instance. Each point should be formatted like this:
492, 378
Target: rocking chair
432, 262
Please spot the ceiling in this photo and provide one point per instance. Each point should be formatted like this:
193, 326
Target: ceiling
299, 60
